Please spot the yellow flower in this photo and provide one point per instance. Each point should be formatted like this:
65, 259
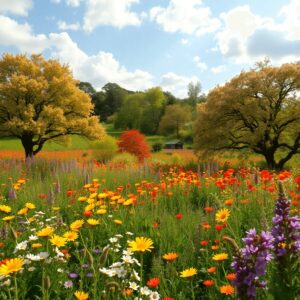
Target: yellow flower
32, 219
101, 211
128, 202
188, 273
170, 256
36, 245
220, 256
141, 244
102, 195
118, 222
58, 241
22, 211
82, 199
81, 295
8, 218
12, 266
222, 215
30, 205
76, 225
93, 222
5, 208
92, 196
56, 208
71, 235
45, 232
89, 207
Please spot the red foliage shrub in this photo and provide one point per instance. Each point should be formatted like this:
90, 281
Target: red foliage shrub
132, 141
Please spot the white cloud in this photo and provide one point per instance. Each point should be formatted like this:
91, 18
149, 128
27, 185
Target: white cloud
246, 37
184, 41
200, 64
218, 69
189, 16
291, 25
15, 6
97, 69
21, 36
74, 3
110, 12
177, 84
62, 25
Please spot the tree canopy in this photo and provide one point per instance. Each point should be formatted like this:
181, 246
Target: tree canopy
257, 110
40, 101
175, 117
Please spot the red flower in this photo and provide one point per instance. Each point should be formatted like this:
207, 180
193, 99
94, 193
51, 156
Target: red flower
153, 282
230, 276
208, 209
168, 298
208, 282
203, 243
179, 216
87, 213
219, 227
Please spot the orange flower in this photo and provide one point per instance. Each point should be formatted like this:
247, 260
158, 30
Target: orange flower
170, 256
208, 283
228, 202
208, 209
212, 270
230, 276
227, 289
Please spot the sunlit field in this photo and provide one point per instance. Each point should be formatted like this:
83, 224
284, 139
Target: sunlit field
76, 229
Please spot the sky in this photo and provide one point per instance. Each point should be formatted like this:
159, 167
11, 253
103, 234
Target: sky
140, 44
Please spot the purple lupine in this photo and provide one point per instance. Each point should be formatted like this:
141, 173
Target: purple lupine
250, 263
285, 227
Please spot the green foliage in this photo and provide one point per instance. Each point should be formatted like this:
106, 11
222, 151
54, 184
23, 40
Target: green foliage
156, 147
125, 158
105, 149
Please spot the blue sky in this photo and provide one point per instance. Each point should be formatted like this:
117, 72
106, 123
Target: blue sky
144, 43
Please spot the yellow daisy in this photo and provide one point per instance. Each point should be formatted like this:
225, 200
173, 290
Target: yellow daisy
222, 215
188, 273
12, 266
141, 244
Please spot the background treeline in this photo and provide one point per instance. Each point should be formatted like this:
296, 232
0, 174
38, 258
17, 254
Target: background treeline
151, 112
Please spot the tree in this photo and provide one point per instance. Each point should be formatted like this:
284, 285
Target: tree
257, 110
153, 108
39, 101
175, 117
133, 141
194, 90
130, 113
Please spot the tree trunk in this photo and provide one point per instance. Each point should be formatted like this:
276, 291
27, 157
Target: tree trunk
28, 146
270, 159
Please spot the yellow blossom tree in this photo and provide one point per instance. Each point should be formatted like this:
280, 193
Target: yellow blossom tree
39, 101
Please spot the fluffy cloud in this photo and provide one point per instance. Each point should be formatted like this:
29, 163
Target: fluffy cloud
218, 69
188, 16
200, 64
21, 36
16, 7
62, 25
73, 3
246, 37
97, 69
176, 84
110, 12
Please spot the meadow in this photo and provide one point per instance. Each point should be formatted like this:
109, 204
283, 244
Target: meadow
166, 229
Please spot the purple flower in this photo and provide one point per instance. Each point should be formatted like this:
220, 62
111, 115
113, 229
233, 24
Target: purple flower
285, 227
73, 275
250, 263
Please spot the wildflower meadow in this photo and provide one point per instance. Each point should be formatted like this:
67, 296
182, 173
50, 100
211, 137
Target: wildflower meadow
75, 229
